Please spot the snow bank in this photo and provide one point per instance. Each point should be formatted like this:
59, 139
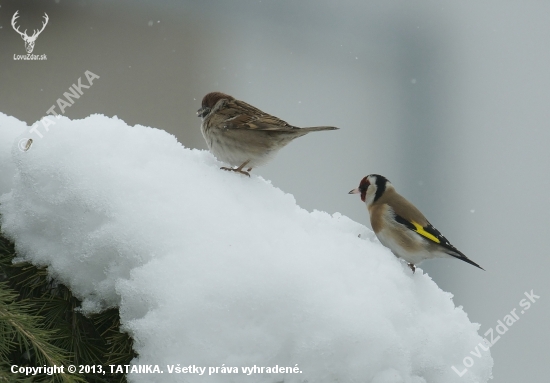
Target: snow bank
211, 268
10, 128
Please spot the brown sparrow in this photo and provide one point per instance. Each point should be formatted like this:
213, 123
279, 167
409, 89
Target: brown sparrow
242, 135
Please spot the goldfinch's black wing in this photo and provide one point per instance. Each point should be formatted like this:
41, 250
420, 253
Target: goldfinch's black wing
430, 233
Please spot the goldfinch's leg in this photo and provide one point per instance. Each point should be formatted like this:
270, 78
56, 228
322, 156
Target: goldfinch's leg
413, 267
239, 169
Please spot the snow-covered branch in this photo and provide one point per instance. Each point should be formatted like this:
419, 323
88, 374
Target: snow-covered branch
211, 268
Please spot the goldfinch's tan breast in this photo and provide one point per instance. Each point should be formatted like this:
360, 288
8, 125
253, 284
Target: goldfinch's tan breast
378, 213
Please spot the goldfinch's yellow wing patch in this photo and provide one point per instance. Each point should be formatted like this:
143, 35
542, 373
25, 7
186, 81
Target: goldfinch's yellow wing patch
431, 233
420, 230
428, 231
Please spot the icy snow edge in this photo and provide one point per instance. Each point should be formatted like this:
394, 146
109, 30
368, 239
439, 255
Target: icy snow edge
211, 268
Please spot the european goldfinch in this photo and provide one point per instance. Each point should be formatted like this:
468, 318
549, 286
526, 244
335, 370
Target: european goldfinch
242, 135
401, 227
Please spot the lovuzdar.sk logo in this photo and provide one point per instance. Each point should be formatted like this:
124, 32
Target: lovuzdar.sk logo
29, 40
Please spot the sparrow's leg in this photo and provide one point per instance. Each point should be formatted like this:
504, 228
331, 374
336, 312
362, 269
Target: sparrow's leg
413, 267
239, 169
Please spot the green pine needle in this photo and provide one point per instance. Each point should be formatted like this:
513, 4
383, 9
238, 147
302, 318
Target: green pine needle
40, 325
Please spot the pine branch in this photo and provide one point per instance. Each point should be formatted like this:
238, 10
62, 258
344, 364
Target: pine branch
20, 327
40, 325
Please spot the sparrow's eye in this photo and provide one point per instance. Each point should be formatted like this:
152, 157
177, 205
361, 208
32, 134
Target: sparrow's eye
203, 112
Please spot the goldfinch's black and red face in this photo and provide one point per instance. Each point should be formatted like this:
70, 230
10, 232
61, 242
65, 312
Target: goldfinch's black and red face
371, 188
362, 189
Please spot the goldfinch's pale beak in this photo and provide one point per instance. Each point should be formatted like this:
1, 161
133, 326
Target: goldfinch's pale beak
355, 191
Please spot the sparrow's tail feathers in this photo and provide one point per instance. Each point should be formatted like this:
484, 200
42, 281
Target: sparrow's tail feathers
318, 128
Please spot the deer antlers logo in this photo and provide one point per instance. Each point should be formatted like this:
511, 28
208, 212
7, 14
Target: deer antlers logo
29, 40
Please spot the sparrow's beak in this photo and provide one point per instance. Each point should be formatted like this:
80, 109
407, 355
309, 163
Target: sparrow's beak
355, 191
202, 112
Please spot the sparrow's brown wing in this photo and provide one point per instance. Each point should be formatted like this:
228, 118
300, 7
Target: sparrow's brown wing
240, 115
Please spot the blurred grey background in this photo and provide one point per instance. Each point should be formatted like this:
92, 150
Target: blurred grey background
449, 100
